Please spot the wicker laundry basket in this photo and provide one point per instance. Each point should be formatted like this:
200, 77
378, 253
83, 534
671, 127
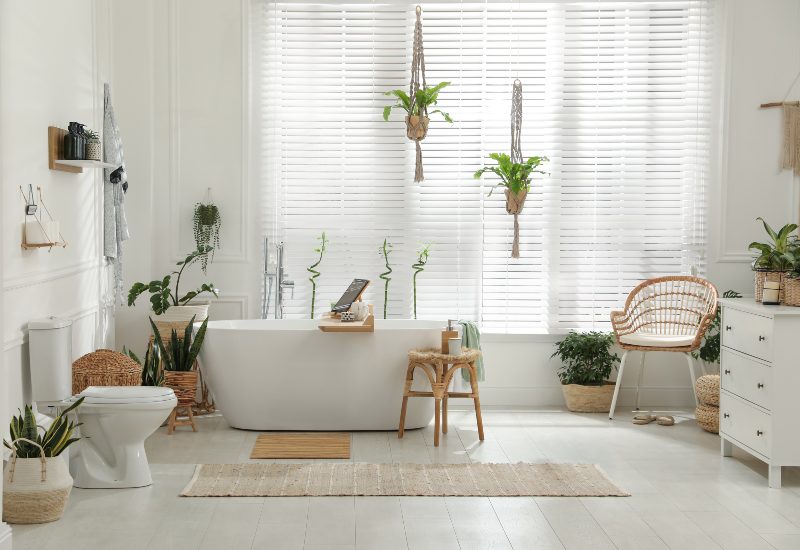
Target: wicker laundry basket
707, 388
777, 276
105, 367
707, 417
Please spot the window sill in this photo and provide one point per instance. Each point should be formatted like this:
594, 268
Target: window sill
543, 337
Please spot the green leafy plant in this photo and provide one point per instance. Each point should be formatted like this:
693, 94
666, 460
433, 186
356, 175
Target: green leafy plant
180, 355
91, 135
152, 374
323, 243
54, 440
514, 176
709, 349
419, 267
425, 97
161, 295
585, 357
781, 253
206, 224
385, 250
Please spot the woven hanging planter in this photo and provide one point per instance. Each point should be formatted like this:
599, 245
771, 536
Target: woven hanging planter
417, 128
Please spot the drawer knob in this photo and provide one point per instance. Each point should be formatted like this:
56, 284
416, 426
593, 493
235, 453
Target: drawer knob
727, 371
725, 415
761, 338
727, 327
760, 386
759, 433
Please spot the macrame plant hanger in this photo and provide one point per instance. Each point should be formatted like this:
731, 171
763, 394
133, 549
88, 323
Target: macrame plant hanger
516, 201
417, 125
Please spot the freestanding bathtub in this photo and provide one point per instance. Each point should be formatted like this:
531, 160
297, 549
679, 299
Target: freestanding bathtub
286, 374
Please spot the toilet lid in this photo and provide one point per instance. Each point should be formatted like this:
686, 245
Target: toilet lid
125, 394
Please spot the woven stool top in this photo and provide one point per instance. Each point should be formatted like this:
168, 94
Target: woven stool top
433, 354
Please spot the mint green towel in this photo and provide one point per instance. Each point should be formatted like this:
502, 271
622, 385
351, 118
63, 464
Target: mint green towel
471, 338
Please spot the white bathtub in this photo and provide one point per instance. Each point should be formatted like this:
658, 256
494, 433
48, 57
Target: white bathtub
286, 374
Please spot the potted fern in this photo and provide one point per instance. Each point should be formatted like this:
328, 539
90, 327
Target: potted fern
775, 258
36, 478
417, 119
586, 365
167, 302
515, 177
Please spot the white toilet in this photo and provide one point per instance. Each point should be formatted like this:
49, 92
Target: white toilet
116, 420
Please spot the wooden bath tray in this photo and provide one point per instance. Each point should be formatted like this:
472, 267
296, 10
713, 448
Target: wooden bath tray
335, 325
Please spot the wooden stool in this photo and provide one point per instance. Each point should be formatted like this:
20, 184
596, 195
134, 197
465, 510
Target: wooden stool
183, 407
437, 367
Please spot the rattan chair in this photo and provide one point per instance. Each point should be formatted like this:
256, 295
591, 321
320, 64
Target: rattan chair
664, 314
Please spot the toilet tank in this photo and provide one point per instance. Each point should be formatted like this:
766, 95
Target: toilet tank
50, 351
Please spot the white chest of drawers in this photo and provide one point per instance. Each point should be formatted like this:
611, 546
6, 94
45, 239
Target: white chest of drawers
760, 383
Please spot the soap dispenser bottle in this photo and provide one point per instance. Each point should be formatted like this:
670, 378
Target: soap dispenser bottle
71, 142
82, 140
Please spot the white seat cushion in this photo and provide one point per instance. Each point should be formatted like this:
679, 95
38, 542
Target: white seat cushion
657, 340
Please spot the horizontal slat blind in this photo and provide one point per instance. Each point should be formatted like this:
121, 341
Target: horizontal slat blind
616, 94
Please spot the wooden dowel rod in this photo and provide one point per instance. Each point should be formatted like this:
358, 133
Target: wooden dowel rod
778, 104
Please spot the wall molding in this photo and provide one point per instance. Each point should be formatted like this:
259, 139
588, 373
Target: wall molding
21, 336
242, 300
39, 277
242, 255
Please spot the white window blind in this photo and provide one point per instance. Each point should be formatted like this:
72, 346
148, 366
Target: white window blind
616, 94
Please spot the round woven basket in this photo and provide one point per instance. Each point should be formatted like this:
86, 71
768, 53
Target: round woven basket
791, 291
776, 276
183, 383
707, 418
588, 399
707, 388
417, 127
104, 367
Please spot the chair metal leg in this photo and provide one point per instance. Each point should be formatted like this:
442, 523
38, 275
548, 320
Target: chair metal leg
617, 385
639, 380
694, 377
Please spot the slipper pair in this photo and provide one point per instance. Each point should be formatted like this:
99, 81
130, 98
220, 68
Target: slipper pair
648, 418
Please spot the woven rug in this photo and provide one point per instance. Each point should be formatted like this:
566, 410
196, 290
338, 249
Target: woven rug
363, 479
302, 445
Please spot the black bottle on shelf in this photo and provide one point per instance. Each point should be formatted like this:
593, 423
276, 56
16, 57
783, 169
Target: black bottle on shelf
82, 140
71, 142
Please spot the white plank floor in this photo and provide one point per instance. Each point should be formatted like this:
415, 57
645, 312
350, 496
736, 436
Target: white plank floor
684, 495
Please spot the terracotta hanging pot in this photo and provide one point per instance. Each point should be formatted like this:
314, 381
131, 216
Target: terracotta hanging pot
417, 127
514, 204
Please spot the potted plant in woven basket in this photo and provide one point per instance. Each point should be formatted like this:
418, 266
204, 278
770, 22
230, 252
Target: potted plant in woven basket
775, 258
168, 304
36, 480
93, 146
179, 359
516, 178
586, 365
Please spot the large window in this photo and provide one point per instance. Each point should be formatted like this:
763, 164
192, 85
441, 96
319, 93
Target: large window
616, 94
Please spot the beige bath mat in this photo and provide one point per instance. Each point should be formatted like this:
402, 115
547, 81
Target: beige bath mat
302, 445
362, 479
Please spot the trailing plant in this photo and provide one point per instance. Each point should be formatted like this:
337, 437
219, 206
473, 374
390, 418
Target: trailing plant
162, 296
781, 253
709, 349
514, 176
585, 357
419, 267
152, 373
206, 224
385, 250
180, 355
54, 440
427, 96
313, 270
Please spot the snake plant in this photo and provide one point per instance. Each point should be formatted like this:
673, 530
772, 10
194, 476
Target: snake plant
419, 267
313, 270
780, 254
181, 354
54, 440
427, 96
514, 176
152, 373
385, 250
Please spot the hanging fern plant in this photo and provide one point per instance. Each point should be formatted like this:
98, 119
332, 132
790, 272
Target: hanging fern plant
206, 224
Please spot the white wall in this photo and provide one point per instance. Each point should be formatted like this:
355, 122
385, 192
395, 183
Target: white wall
50, 74
186, 111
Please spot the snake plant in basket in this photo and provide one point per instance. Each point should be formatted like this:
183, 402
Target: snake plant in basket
178, 357
37, 481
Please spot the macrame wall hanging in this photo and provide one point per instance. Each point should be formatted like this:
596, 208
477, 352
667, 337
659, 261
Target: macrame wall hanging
418, 99
516, 201
790, 157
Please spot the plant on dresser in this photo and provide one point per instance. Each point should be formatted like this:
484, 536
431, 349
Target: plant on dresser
775, 258
759, 379
586, 365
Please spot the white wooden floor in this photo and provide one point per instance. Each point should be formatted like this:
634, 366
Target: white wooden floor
684, 495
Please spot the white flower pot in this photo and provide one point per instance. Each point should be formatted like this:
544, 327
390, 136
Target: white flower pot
180, 314
35, 491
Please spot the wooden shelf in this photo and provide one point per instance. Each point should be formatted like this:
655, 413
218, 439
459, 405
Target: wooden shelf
55, 154
335, 325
